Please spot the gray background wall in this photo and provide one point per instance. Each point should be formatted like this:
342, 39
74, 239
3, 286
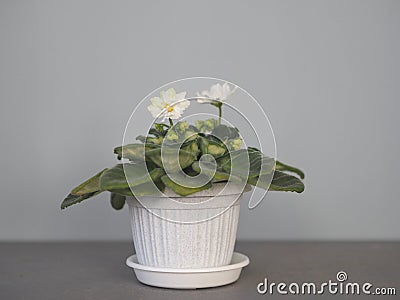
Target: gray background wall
326, 72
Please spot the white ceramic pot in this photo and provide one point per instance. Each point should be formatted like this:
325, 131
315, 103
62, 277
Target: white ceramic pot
199, 234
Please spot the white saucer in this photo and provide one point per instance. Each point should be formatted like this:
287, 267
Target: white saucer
189, 278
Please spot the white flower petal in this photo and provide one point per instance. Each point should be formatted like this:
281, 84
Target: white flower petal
217, 92
233, 90
154, 110
199, 100
174, 114
157, 101
169, 95
180, 96
204, 97
225, 91
183, 104
169, 105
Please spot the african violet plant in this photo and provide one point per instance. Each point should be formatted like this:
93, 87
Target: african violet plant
145, 173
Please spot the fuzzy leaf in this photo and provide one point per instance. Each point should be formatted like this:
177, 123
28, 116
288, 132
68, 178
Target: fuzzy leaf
134, 152
246, 163
285, 182
74, 199
114, 179
218, 176
225, 132
211, 145
283, 167
280, 182
161, 128
181, 190
169, 161
89, 186
86, 190
117, 201
145, 189
191, 146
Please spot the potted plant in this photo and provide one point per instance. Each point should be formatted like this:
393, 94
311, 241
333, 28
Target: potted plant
183, 184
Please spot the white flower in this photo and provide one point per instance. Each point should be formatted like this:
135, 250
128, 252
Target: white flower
168, 105
217, 92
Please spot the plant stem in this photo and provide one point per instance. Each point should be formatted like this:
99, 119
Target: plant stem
170, 122
219, 113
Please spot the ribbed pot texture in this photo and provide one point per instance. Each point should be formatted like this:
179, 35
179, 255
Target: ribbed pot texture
161, 240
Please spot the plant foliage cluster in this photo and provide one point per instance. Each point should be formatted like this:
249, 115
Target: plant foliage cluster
147, 163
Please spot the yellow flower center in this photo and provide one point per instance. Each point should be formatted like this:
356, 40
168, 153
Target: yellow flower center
169, 108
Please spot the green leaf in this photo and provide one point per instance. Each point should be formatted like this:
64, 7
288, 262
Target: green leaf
246, 163
156, 132
267, 166
169, 161
162, 128
218, 176
117, 201
211, 145
216, 149
283, 167
206, 125
140, 138
86, 190
157, 139
74, 199
191, 147
263, 181
89, 186
145, 189
285, 182
123, 192
134, 152
225, 132
203, 144
114, 179
150, 188
280, 182
181, 190
193, 128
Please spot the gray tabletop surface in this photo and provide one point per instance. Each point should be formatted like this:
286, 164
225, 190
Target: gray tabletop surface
98, 271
